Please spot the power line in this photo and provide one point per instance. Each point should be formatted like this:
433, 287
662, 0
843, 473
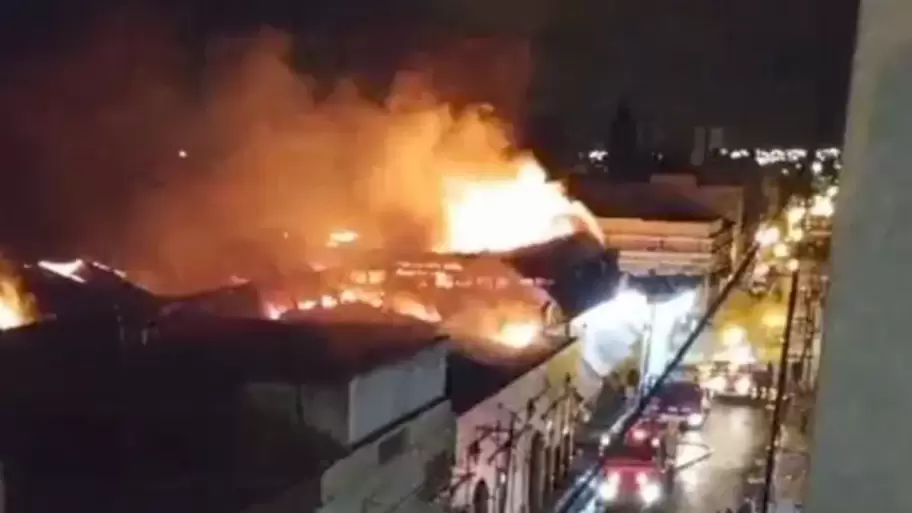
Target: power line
776, 423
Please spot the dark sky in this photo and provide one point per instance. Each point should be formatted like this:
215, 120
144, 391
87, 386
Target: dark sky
758, 67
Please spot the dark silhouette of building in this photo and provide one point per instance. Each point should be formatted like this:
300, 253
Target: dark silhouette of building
622, 142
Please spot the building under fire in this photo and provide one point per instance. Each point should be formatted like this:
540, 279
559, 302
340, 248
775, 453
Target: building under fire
218, 414
338, 372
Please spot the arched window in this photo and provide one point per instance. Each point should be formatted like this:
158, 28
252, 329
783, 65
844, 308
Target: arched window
481, 498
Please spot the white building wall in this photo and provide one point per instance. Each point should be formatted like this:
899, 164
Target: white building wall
544, 386
362, 484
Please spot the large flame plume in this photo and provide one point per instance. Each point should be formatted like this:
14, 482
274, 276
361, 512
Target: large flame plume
16, 305
256, 165
513, 212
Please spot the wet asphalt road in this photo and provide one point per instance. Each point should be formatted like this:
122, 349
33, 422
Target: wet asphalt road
712, 462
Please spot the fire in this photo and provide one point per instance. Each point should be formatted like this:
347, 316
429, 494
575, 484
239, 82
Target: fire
504, 324
519, 335
15, 306
502, 215
342, 237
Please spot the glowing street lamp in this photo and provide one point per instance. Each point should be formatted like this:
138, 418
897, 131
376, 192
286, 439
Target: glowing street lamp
796, 234
822, 206
781, 250
769, 235
734, 335
795, 214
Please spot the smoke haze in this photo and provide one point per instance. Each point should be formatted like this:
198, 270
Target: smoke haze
125, 149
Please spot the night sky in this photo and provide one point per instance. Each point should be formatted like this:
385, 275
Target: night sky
771, 71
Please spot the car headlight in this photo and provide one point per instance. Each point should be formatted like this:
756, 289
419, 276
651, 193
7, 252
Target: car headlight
743, 385
605, 440
650, 492
694, 419
716, 384
608, 489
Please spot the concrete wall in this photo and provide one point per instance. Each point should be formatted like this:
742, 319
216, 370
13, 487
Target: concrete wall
390, 392
361, 483
352, 411
550, 423
861, 451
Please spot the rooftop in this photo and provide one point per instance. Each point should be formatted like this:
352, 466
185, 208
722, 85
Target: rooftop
473, 376
327, 346
96, 288
169, 426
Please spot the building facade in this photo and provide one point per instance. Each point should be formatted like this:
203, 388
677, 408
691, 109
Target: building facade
698, 248
515, 445
398, 430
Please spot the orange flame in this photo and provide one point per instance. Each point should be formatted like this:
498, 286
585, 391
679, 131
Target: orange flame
502, 215
15, 306
519, 335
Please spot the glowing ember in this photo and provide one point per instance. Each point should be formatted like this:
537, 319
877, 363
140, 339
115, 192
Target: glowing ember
502, 215
341, 238
519, 335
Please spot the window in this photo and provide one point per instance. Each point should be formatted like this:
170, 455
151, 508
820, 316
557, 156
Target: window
391, 446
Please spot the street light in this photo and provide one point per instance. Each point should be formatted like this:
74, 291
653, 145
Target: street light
769, 235
733, 335
796, 234
822, 206
781, 250
795, 214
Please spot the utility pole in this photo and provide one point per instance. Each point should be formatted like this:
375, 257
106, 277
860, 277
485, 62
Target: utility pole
776, 423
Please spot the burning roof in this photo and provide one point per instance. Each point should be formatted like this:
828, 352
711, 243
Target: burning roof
80, 287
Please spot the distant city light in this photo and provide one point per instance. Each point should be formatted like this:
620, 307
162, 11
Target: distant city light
769, 156
598, 155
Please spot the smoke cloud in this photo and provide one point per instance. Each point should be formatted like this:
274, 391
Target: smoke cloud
127, 149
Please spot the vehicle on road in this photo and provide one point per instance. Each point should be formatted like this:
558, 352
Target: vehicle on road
744, 381
635, 475
648, 430
684, 402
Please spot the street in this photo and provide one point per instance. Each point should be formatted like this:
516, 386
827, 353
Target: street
712, 462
